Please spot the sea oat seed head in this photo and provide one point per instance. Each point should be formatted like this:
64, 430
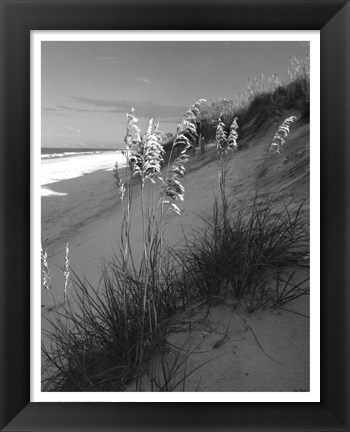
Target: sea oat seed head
66, 271
282, 133
46, 270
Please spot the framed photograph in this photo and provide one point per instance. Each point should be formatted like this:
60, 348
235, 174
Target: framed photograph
174, 215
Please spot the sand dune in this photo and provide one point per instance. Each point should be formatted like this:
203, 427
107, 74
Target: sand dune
85, 212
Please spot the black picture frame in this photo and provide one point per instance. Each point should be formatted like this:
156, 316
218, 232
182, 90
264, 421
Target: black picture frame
18, 18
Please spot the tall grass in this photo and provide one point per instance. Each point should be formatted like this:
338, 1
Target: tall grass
237, 254
277, 143
262, 102
133, 300
93, 347
45, 269
225, 144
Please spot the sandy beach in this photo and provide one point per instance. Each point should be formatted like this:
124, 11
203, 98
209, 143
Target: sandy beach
268, 351
74, 190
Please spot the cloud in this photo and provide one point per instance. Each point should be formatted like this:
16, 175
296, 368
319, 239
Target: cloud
109, 59
101, 103
67, 108
57, 111
143, 80
72, 129
45, 109
144, 109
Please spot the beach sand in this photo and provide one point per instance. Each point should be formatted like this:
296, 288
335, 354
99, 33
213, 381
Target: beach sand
271, 350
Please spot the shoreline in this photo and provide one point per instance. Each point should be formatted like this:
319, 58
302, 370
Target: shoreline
53, 170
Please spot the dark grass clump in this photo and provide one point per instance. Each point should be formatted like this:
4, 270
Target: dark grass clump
261, 109
264, 107
236, 254
100, 339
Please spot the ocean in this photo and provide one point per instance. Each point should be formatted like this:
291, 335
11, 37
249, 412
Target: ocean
66, 163
57, 152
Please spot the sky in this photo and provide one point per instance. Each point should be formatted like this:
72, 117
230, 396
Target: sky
88, 87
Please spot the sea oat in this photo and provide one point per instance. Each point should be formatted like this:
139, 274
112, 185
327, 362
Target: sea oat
152, 153
118, 182
132, 141
195, 108
233, 136
281, 135
66, 272
172, 186
221, 138
185, 139
45, 270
